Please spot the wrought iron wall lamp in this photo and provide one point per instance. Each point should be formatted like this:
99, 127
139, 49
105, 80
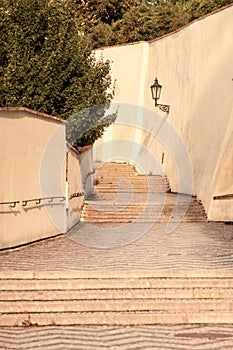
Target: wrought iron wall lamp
156, 91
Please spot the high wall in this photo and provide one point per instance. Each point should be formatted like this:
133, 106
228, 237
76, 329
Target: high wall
194, 67
32, 149
80, 184
35, 201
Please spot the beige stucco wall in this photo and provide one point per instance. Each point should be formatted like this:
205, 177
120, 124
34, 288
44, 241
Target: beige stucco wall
87, 169
79, 165
194, 67
36, 162
74, 187
32, 153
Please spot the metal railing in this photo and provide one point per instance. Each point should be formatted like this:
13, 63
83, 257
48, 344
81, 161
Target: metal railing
11, 204
223, 197
37, 201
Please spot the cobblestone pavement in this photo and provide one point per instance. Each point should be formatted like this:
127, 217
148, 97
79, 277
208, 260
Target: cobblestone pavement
199, 337
205, 245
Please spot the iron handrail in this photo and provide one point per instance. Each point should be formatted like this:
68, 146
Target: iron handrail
224, 196
36, 200
12, 204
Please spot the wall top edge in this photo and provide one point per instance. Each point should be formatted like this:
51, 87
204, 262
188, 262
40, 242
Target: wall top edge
80, 150
171, 33
27, 110
121, 45
191, 23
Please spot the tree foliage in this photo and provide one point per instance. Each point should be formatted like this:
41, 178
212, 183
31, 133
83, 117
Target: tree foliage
111, 22
47, 65
45, 52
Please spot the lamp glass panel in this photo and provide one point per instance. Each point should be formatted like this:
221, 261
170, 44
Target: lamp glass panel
158, 91
153, 91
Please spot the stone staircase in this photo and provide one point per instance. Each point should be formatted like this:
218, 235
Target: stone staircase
121, 297
123, 196
116, 297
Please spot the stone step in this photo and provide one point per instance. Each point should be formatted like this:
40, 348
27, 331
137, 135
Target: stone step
116, 172
161, 219
155, 198
146, 216
139, 221
116, 167
149, 208
122, 293
115, 318
140, 216
127, 186
143, 212
111, 223
116, 274
116, 180
121, 305
115, 297
113, 283
128, 208
138, 208
135, 180
126, 190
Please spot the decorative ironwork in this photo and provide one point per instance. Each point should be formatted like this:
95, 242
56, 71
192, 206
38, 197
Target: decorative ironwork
164, 108
77, 194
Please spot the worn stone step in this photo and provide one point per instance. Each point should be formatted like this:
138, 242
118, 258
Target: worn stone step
134, 208
172, 305
120, 181
129, 181
113, 283
154, 198
115, 172
142, 220
149, 205
113, 318
145, 210
143, 214
147, 293
117, 274
125, 190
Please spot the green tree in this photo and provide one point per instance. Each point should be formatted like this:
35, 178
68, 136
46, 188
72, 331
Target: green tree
92, 12
111, 22
148, 21
198, 8
47, 65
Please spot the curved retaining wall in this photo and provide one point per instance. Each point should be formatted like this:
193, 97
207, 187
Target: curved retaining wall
194, 67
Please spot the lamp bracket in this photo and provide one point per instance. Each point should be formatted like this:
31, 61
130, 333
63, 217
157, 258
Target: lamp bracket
164, 108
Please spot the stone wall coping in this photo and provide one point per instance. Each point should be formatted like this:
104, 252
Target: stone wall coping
27, 110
